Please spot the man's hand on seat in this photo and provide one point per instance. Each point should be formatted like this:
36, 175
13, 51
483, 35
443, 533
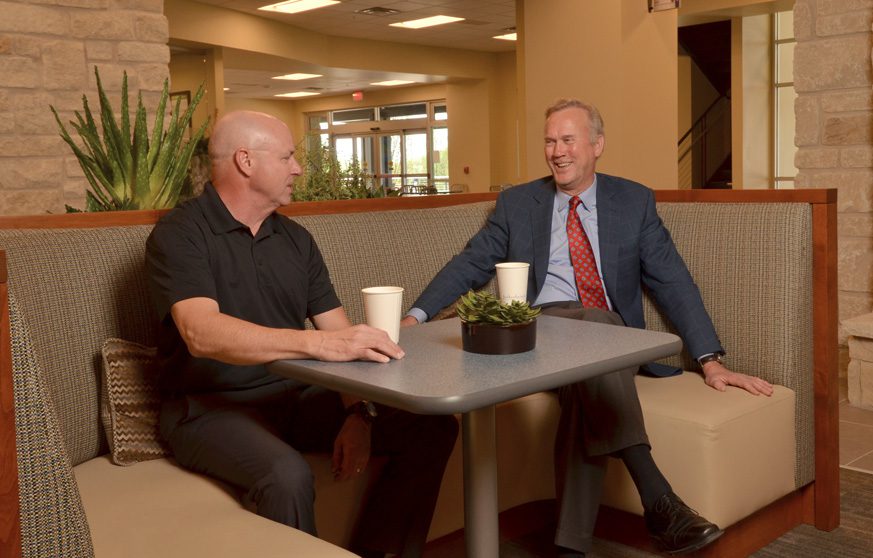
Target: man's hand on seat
351, 449
717, 376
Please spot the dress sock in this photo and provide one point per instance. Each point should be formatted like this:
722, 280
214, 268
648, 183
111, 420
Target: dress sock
648, 479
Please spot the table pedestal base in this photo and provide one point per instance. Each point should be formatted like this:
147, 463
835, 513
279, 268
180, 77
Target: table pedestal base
481, 532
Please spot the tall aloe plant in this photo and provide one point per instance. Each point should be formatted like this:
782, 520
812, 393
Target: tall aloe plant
131, 171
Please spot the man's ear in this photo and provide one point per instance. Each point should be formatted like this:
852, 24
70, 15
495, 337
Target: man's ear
599, 144
242, 158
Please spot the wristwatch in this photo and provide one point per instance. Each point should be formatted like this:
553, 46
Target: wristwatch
364, 409
718, 357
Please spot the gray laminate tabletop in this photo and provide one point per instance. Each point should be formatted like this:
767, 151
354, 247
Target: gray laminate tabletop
438, 377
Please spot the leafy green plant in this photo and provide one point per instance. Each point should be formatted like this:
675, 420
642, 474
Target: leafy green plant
324, 177
125, 168
484, 308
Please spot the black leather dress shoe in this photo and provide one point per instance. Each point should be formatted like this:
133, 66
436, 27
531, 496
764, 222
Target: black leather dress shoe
676, 528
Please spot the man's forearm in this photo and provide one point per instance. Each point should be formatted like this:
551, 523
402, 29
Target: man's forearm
235, 341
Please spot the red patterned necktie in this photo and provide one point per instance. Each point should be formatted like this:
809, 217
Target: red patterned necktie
588, 283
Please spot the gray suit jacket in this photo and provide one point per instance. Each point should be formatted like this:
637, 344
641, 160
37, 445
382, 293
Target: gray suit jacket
636, 250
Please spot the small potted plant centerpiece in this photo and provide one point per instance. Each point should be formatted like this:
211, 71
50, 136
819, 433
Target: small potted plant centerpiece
489, 326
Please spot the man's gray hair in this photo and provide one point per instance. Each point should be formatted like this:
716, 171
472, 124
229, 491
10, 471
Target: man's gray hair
594, 118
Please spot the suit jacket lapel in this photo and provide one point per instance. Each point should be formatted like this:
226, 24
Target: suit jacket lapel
541, 229
608, 220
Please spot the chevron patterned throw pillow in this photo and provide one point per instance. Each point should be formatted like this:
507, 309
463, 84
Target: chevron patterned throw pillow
130, 402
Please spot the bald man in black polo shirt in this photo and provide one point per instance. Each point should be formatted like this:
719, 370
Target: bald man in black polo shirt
233, 283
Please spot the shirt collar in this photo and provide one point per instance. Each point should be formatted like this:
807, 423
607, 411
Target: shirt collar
219, 217
588, 197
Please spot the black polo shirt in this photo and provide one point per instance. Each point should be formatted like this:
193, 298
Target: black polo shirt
275, 279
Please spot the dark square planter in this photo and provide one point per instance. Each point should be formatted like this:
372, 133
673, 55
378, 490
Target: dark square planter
491, 339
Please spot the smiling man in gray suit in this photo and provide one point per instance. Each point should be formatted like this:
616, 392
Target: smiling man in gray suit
593, 241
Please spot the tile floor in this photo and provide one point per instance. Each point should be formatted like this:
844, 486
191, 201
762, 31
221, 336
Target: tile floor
856, 436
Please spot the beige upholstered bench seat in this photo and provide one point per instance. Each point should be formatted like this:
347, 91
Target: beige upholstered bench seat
726, 454
156, 508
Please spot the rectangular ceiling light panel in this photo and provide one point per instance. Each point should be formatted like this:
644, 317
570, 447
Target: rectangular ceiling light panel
297, 76
427, 22
392, 82
297, 6
297, 94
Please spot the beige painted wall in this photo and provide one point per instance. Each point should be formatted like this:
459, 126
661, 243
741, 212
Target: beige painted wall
505, 167
616, 55
469, 135
752, 102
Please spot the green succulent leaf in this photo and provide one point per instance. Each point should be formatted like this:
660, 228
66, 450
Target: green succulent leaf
483, 307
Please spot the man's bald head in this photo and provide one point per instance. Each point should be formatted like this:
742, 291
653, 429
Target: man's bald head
253, 164
243, 128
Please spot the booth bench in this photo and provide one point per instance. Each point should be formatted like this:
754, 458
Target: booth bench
765, 262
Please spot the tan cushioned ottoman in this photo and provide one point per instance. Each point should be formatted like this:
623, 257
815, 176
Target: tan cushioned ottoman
156, 508
727, 454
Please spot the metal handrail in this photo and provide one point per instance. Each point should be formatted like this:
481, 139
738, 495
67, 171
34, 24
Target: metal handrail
702, 117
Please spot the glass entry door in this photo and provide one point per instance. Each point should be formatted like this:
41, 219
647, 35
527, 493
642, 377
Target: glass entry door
390, 172
355, 148
397, 160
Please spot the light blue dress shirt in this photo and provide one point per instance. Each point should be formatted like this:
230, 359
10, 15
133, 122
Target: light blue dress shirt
560, 283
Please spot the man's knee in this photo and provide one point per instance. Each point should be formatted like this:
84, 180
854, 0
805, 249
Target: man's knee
284, 483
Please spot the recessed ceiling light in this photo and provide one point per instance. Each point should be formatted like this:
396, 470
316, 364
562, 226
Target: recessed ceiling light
378, 11
297, 76
227, 89
297, 6
298, 94
507, 37
427, 22
392, 82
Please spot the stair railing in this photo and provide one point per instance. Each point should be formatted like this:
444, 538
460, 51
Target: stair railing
698, 136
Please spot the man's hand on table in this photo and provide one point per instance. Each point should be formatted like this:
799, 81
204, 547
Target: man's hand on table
717, 376
360, 342
408, 321
351, 449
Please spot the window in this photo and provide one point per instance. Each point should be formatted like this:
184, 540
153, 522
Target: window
401, 145
340, 117
440, 113
784, 96
403, 112
440, 143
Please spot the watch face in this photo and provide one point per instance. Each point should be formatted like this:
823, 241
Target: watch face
365, 409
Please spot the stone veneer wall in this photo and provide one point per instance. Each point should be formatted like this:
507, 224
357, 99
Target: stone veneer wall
48, 50
834, 133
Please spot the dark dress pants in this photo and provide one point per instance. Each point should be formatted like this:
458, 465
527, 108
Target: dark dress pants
599, 417
253, 440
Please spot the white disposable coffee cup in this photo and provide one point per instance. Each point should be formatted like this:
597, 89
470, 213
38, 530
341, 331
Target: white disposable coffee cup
382, 307
512, 281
